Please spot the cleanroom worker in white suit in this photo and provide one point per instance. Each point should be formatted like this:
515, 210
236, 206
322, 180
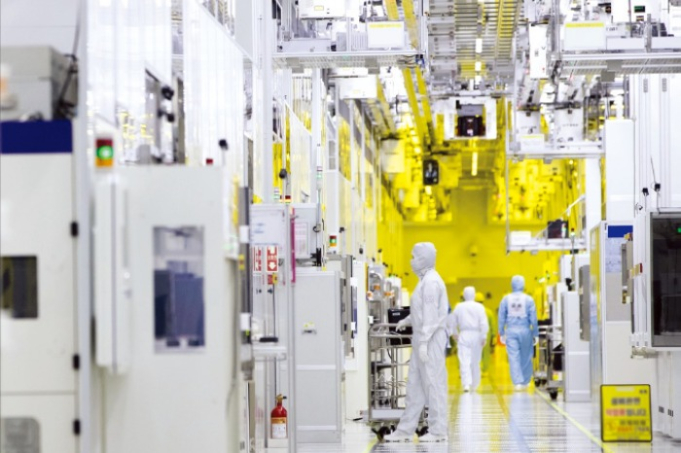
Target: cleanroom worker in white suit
470, 326
519, 331
427, 381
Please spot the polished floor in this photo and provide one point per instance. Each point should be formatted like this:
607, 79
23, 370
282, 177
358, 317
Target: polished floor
495, 419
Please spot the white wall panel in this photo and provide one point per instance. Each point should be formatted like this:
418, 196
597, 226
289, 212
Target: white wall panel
673, 170
301, 172
619, 168
157, 32
127, 38
214, 103
54, 25
214, 100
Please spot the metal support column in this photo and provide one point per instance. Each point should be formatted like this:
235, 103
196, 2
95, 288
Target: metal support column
592, 193
317, 118
263, 86
83, 246
291, 344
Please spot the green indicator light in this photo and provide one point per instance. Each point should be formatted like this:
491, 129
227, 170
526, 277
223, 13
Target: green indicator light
678, 230
105, 152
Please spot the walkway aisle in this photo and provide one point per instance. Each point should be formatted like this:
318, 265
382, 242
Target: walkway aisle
495, 419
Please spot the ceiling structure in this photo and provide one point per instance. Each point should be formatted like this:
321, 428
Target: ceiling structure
468, 53
463, 32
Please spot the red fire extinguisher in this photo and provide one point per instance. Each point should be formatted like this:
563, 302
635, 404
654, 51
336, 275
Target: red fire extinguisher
279, 420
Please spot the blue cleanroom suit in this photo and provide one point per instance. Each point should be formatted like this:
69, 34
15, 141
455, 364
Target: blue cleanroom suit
519, 331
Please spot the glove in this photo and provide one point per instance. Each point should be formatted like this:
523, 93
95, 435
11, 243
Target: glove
536, 340
403, 324
423, 352
502, 339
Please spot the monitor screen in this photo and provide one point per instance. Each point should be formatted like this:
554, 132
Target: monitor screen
666, 279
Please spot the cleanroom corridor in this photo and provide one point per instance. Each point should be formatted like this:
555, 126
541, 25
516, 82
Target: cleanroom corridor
497, 419
290, 226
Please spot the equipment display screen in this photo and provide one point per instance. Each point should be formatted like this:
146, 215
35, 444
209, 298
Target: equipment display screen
20, 286
431, 172
178, 289
666, 279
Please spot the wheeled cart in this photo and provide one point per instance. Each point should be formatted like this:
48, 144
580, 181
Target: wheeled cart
549, 371
389, 353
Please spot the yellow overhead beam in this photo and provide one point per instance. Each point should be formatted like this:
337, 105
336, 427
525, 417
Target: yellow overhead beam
412, 25
376, 113
423, 91
385, 107
414, 104
391, 9
424, 131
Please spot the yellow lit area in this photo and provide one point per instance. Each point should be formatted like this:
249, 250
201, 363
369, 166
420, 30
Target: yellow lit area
465, 215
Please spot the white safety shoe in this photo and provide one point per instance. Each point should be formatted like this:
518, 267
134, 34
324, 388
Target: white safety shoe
431, 438
397, 437
519, 388
467, 388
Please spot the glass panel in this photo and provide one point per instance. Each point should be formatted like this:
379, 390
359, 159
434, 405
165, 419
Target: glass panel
666, 279
153, 106
20, 435
178, 288
20, 286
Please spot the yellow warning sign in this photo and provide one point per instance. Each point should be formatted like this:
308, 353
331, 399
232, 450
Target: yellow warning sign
626, 414
377, 25
585, 25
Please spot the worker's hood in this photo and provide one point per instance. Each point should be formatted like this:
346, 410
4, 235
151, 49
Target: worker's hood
518, 283
479, 297
423, 258
469, 294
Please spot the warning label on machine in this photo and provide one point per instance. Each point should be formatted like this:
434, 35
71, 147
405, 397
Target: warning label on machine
625, 413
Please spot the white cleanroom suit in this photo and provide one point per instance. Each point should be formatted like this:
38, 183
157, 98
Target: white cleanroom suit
427, 381
469, 326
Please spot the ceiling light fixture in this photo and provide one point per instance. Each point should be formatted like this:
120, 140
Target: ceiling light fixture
474, 167
478, 45
478, 66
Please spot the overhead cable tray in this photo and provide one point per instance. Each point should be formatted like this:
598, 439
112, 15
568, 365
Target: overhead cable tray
535, 147
547, 245
374, 45
371, 59
621, 63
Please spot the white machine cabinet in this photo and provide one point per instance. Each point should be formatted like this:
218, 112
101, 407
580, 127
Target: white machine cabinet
656, 276
610, 318
577, 383
177, 391
37, 320
320, 9
657, 299
318, 356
